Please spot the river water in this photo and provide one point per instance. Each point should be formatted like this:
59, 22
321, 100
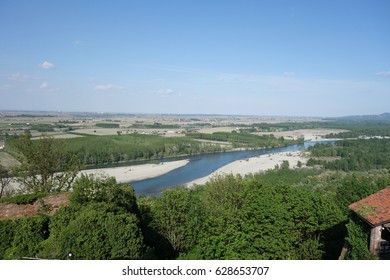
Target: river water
203, 165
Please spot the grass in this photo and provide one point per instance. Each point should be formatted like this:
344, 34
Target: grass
7, 160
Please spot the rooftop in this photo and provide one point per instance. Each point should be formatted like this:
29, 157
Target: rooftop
375, 209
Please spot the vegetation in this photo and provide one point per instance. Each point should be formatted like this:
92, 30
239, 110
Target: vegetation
23, 198
229, 218
42, 127
107, 125
156, 125
4, 180
358, 238
240, 140
359, 129
21, 238
244, 218
283, 213
45, 165
102, 222
92, 150
353, 155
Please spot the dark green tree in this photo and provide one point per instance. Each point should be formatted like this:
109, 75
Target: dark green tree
97, 231
358, 239
248, 220
176, 216
28, 234
101, 222
89, 188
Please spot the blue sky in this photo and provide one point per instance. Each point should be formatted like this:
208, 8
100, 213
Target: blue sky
251, 57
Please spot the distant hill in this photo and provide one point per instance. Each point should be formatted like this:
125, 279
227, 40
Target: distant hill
385, 117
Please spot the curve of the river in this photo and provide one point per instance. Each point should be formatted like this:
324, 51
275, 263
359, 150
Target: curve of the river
202, 165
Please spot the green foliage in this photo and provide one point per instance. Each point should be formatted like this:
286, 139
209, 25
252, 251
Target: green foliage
95, 231
285, 176
176, 217
354, 155
88, 189
7, 232
356, 129
155, 126
23, 198
358, 239
45, 164
244, 139
246, 220
107, 125
356, 186
28, 233
92, 150
102, 222
42, 127
5, 179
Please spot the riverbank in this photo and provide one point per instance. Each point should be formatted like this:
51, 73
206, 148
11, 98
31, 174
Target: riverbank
125, 174
255, 164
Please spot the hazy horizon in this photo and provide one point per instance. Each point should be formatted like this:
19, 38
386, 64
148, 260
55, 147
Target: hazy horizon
253, 58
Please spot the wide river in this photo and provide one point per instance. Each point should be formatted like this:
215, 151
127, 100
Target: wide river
203, 165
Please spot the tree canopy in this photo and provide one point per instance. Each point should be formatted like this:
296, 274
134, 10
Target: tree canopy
45, 164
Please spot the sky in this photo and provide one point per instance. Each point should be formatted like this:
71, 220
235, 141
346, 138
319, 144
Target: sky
323, 58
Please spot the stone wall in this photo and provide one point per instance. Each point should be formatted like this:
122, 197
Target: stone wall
50, 203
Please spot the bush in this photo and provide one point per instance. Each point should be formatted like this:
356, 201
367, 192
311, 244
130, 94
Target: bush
29, 232
23, 198
7, 229
94, 232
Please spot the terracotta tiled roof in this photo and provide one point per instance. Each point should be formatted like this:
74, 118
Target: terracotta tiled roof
375, 209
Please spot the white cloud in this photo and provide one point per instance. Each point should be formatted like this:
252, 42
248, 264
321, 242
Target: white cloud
18, 77
107, 87
46, 65
383, 73
289, 74
44, 85
166, 91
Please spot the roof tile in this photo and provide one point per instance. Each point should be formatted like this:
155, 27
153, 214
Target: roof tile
375, 209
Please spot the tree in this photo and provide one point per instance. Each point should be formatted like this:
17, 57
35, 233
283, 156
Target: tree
87, 189
96, 231
5, 179
101, 222
45, 166
358, 239
246, 219
28, 233
176, 217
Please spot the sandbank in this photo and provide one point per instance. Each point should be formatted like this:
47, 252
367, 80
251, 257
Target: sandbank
132, 173
254, 164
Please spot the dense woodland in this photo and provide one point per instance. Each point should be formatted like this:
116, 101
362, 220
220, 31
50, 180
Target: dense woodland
245, 140
352, 155
279, 214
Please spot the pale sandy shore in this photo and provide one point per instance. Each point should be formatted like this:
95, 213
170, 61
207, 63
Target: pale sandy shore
253, 165
131, 173
137, 172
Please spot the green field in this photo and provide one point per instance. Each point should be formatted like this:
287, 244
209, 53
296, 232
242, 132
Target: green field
98, 150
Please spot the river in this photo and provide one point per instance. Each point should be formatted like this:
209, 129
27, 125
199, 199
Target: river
203, 165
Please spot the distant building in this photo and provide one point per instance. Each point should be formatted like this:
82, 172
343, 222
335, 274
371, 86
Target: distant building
375, 210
